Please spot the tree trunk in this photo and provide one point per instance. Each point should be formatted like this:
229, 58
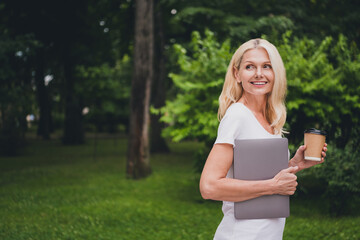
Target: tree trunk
138, 165
157, 142
73, 127
42, 92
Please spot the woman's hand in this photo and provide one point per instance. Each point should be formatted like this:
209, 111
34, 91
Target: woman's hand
285, 181
299, 161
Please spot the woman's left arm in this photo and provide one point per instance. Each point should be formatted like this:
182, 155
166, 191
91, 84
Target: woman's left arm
298, 159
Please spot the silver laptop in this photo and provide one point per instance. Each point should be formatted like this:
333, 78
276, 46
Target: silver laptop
261, 159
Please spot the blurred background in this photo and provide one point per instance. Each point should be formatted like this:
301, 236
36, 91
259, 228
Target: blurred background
77, 96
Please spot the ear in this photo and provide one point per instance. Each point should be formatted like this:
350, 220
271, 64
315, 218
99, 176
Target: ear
236, 75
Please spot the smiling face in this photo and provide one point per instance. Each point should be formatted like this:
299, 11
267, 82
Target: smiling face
255, 73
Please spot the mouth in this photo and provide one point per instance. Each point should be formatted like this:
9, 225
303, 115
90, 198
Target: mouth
259, 83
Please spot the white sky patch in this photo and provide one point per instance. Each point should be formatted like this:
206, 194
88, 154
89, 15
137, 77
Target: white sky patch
85, 110
19, 54
47, 79
30, 117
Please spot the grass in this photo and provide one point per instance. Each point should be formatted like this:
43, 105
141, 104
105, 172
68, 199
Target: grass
80, 192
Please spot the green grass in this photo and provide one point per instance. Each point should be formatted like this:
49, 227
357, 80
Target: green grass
65, 192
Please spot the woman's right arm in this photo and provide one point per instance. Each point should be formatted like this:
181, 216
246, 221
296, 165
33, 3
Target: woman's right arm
214, 184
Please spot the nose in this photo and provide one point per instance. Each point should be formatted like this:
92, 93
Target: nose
259, 73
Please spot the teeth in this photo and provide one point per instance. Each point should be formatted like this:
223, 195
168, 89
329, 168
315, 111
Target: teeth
259, 83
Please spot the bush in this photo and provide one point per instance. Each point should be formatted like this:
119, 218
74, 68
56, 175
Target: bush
192, 113
323, 89
340, 176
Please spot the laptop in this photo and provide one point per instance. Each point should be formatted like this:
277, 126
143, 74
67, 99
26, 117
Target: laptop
261, 159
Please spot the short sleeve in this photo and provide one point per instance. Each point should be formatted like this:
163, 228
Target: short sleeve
229, 128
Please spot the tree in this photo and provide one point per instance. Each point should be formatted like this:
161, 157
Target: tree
106, 92
138, 149
43, 97
158, 95
74, 31
15, 90
21, 18
66, 40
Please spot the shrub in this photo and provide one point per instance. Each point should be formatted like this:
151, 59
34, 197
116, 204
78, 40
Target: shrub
323, 89
340, 174
192, 113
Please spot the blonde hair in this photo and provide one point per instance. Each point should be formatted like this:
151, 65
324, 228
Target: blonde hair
232, 91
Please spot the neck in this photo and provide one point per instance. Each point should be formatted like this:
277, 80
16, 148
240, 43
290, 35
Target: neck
256, 104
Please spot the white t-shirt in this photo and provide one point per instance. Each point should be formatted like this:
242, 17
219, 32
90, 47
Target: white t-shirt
240, 123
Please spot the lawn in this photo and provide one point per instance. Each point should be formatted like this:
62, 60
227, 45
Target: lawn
80, 192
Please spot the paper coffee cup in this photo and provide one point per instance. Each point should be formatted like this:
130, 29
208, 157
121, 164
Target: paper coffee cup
314, 140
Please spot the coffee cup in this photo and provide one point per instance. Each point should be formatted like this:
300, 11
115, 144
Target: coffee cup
314, 140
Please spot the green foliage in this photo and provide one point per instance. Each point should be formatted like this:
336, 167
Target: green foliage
341, 175
323, 89
238, 20
192, 113
247, 26
16, 94
106, 91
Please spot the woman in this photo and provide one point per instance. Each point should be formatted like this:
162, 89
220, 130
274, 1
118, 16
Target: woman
251, 106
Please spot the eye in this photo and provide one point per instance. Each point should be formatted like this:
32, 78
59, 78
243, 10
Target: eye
250, 66
268, 66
